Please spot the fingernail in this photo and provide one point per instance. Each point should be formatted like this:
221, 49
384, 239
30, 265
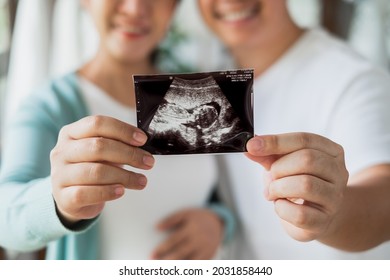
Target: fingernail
139, 137
257, 144
148, 160
142, 181
119, 191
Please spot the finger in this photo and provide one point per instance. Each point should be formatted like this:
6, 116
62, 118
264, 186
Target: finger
306, 187
201, 255
173, 241
307, 161
103, 126
182, 251
281, 144
73, 214
267, 179
103, 149
300, 215
82, 196
265, 161
197, 255
99, 174
299, 234
172, 221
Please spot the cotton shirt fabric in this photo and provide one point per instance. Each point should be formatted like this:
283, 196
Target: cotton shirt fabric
318, 86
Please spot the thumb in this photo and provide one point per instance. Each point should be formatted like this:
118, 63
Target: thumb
254, 147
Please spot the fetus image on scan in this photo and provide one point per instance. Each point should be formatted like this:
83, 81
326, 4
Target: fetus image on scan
195, 116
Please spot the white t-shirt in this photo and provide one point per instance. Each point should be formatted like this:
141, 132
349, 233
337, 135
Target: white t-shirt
318, 86
128, 225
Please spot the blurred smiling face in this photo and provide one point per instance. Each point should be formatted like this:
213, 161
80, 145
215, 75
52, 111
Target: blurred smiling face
130, 30
241, 22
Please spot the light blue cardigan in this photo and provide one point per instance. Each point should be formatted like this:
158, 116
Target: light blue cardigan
28, 219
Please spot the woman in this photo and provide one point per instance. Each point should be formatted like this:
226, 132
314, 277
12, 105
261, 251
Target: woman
55, 186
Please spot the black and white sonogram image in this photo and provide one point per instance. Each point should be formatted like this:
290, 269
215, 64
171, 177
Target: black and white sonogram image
195, 113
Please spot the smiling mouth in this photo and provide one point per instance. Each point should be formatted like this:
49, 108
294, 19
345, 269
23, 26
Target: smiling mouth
132, 30
238, 15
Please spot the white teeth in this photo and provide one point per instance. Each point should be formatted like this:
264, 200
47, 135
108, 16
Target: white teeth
237, 16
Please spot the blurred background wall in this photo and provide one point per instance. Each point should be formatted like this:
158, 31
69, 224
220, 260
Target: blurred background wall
41, 39
51, 37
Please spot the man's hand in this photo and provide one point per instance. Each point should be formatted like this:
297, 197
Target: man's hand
306, 178
195, 234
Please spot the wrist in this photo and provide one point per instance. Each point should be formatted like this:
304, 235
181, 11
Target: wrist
227, 219
67, 220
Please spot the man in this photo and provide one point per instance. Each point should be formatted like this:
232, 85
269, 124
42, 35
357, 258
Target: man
322, 113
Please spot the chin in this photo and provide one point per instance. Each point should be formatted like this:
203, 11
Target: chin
236, 42
130, 55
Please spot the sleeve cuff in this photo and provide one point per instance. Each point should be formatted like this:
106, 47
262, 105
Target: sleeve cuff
50, 226
227, 217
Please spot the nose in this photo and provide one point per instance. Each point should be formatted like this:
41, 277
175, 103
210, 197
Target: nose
134, 7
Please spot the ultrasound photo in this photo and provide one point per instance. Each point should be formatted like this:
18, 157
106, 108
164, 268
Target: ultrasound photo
195, 113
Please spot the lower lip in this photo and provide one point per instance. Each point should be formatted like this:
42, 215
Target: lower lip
129, 35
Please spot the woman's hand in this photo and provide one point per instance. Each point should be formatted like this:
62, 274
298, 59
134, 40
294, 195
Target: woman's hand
86, 165
195, 234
